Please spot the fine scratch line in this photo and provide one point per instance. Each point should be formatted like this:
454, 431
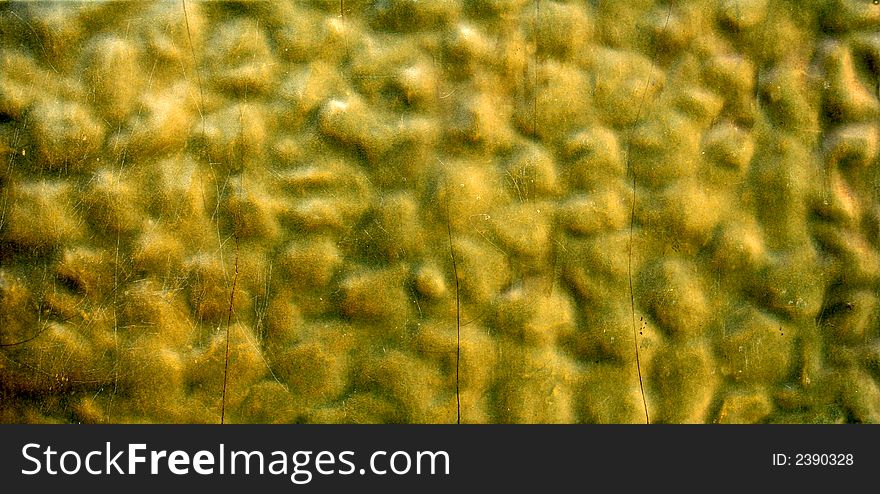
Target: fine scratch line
192, 51
457, 313
228, 322
537, 66
235, 227
231, 309
632, 221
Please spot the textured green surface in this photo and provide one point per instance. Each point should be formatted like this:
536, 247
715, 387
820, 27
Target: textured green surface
401, 210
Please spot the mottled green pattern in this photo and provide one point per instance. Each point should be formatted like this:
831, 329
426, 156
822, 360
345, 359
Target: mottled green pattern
403, 211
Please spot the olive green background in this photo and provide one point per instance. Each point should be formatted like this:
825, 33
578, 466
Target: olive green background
413, 211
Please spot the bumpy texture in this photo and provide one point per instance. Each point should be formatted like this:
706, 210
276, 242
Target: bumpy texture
403, 211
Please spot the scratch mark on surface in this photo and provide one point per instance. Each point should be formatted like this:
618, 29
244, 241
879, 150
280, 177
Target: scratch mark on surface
457, 310
632, 220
